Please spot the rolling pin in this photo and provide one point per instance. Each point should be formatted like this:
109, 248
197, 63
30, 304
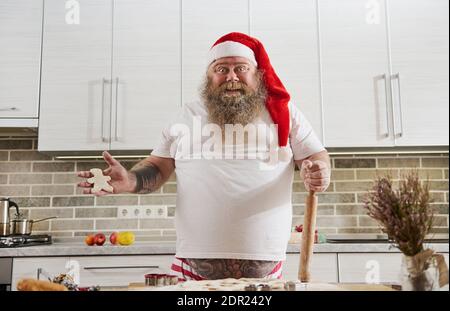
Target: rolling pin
309, 227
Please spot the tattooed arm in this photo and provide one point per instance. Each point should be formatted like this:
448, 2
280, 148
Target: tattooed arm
150, 174
146, 176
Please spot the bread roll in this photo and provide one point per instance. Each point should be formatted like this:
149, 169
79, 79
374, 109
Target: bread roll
38, 285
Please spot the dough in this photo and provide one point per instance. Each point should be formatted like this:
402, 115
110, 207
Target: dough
100, 182
225, 285
240, 284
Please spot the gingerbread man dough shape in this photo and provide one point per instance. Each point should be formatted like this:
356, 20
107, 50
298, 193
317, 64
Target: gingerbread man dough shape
100, 182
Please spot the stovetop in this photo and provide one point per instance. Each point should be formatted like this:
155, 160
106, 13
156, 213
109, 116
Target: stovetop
24, 240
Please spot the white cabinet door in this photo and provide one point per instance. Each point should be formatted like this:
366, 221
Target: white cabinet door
146, 71
355, 70
29, 267
288, 31
419, 50
20, 55
120, 270
76, 73
323, 267
370, 268
203, 22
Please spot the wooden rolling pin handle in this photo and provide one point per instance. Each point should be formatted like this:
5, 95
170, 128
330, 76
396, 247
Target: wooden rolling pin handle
309, 226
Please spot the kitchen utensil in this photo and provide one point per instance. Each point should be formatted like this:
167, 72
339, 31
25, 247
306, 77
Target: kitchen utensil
22, 226
309, 227
24, 240
157, 279
5, 217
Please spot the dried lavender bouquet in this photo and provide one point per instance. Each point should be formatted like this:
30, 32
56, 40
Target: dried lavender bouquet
404, 214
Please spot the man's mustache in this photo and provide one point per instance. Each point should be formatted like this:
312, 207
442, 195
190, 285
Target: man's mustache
234, 86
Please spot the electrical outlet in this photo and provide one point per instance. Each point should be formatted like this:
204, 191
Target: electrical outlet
144, 211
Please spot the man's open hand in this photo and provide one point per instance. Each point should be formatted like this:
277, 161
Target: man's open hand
121, 179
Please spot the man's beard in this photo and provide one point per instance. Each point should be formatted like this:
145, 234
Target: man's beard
242, 108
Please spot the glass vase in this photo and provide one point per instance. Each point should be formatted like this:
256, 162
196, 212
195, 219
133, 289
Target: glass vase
419, 277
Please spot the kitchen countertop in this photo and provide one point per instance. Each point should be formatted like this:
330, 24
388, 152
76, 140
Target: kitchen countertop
165, 248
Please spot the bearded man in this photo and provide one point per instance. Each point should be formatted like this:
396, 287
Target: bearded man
233, 215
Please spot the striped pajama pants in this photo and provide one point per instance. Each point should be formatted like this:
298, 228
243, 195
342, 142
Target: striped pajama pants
185, 272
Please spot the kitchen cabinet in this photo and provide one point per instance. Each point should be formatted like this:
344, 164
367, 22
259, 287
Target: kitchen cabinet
203, 22
371, 267
120, 270
355, 73
113, 80
384, 72
419, 51
146, 71
290, 37
323, 267
93, 270
76, 77
367, 268
20, 55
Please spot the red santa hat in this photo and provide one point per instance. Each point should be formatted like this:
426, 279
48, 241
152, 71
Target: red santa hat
242, 45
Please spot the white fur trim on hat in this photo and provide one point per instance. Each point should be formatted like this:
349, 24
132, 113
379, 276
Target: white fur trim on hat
229, 49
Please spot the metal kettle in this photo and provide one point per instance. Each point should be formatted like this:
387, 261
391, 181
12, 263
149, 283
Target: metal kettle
5, 217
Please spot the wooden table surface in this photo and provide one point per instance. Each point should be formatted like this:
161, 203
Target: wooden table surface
312, 287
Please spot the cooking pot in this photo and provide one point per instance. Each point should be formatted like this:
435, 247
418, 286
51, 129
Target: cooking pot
5, 217
22, 226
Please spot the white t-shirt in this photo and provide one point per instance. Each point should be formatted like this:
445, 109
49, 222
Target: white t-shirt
233, 206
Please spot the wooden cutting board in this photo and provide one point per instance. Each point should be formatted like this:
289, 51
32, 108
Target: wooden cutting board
309, 287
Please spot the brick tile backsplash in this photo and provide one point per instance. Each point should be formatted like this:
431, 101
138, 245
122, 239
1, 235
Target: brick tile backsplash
116, 224
36, 213
53, 167
347, 186
354, 163
3, 155
95, 212
374, 173
31, 201
28, 156
117, 200
435, 162
72, 224
13, 167
7, 190
73, 201
30, 178
52, 190
44, 187
9, 144
396, 162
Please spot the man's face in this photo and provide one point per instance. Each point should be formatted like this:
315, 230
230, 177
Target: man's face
233, 69
234, 91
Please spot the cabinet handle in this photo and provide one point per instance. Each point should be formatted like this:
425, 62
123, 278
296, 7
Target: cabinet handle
388, 132
397, 77
121, 267
40, 272
9, 109
104, 138
116, 136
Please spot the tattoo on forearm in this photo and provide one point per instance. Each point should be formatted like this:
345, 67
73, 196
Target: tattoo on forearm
148, 178
213, 269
